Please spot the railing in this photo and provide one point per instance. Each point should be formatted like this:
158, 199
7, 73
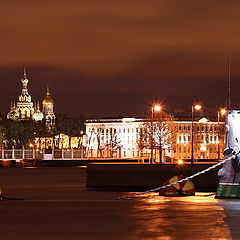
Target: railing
69, 154
19, 154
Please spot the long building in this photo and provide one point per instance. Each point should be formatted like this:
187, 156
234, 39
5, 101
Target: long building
119, 138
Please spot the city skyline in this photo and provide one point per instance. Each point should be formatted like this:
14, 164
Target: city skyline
113, 58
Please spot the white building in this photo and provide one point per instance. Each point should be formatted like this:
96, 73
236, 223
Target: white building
119, 138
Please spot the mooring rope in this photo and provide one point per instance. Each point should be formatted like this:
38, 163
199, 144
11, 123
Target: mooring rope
182, 180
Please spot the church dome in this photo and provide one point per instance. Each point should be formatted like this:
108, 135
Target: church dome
38, 115
13, 114
48, 99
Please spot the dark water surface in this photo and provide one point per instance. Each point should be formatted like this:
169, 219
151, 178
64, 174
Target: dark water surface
57, 206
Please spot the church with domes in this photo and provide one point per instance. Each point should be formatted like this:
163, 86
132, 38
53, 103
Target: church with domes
25, 109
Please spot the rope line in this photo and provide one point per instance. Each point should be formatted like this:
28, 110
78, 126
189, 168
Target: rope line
182, 180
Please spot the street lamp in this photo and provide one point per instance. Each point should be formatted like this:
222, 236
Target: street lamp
195, 107
221, 112
154, 108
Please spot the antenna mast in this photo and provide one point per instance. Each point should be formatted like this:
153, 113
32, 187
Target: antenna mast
229, 82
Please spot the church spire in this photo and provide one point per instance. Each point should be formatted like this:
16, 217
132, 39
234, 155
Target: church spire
24, 73
48, 91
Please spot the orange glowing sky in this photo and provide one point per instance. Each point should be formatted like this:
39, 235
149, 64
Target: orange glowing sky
110, 58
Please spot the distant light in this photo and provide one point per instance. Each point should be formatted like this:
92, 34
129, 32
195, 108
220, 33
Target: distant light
203, 148
157, 108
197, 107
180, 162
223, 111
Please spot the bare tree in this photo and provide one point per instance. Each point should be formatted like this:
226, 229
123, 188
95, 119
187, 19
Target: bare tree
141, 143
114, 143
99, 134
159, 133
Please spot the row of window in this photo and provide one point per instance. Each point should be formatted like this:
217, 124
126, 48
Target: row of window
198, 128
188, 150
114, 130
202, 138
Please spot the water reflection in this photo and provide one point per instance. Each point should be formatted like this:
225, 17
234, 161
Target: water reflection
232, 216
195, 217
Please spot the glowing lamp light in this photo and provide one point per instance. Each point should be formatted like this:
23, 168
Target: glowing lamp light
157, 108
223, 111
180, 162
197, 107
203, 148
30, 145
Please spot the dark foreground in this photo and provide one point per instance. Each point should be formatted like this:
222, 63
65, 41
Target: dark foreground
57, 206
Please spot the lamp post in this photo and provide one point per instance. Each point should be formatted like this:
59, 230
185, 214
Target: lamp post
154, 108
197, 107
221, 112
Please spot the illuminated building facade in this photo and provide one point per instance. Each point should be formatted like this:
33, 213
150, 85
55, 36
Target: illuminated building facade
48, 112
61, 141
26, 110
120, 138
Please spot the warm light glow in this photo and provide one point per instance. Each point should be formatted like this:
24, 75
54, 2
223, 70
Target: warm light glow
30, 145
203, 148
197, 107
180, 162
157, 108
223, 111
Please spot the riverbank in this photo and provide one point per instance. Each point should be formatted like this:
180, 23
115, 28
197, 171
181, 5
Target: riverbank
140, 177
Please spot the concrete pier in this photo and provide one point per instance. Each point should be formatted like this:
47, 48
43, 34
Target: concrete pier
138, 177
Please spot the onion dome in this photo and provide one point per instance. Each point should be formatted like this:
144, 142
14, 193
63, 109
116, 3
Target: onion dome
48, 99
38, 115
14, 113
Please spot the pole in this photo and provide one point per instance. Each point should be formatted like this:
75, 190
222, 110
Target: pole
192, 158
229, 82
151, 140
218, 136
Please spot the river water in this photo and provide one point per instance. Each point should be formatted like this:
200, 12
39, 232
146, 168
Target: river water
57, 206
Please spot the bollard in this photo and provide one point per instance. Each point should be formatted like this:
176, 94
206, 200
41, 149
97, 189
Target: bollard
229, 183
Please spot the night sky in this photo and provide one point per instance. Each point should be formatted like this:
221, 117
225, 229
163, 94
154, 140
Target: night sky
112, 58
